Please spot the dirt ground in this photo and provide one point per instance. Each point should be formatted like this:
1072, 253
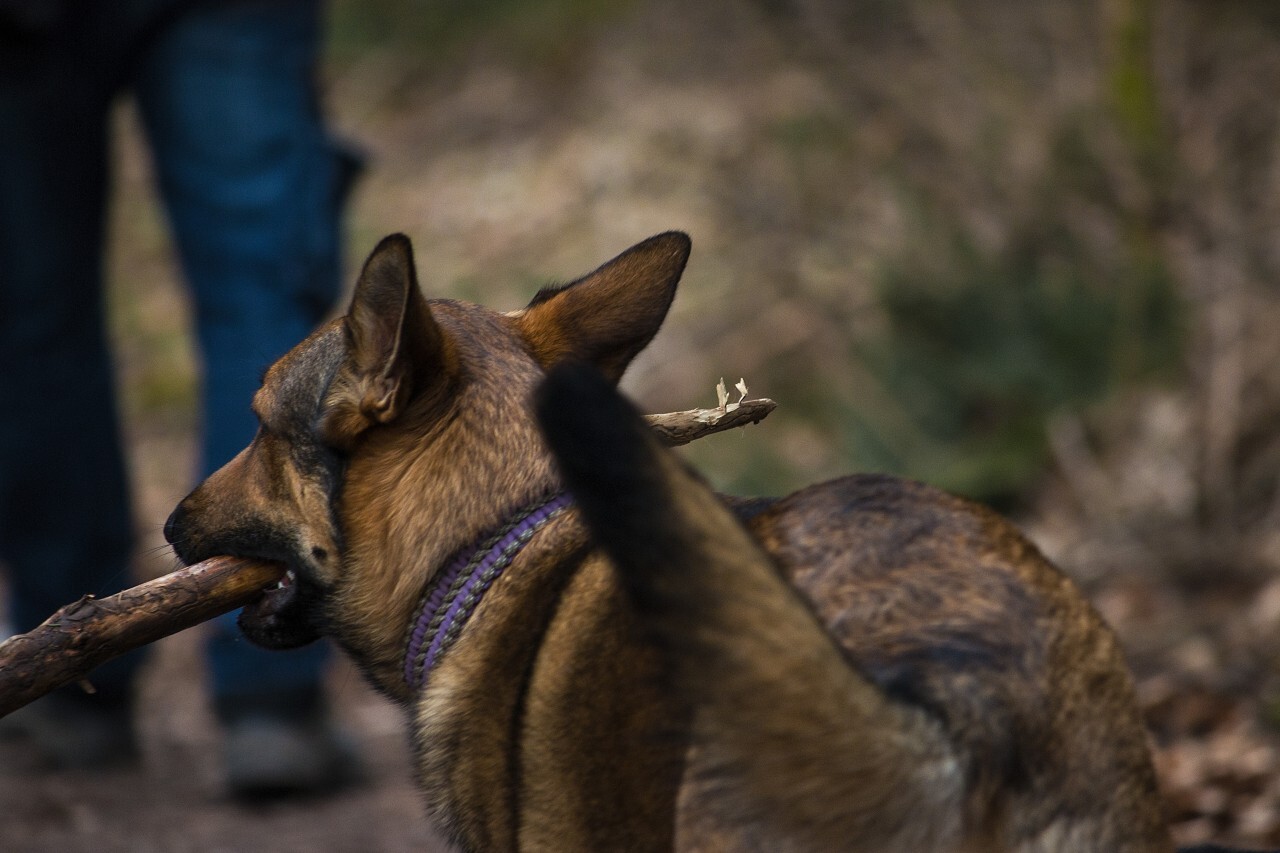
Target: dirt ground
174, 802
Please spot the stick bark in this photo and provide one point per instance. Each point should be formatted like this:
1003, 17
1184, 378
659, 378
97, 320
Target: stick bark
91, 631
677, 428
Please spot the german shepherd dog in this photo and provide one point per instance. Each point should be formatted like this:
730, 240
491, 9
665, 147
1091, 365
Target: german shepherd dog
597, 653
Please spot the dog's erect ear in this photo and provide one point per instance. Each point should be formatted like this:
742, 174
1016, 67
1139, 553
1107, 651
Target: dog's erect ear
608, 316
394, 343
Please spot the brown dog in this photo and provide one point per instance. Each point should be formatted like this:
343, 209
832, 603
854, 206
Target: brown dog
866, 665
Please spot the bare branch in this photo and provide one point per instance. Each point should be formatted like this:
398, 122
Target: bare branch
677, 428
91, 631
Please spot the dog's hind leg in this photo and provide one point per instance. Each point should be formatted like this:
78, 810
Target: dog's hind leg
793, 748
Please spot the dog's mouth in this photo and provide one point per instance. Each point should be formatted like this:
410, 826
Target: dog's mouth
285, 615
279, 596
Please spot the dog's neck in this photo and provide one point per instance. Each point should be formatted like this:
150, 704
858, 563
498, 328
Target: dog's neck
454, 592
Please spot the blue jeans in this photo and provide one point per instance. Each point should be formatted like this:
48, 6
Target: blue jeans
253, 186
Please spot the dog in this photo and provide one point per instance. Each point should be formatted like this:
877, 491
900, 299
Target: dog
598, 653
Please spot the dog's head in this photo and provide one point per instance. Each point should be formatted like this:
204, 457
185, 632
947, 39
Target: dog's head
396, 434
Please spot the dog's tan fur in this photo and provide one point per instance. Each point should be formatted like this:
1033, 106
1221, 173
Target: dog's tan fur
863, 665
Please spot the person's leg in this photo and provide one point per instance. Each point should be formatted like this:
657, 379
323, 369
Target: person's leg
65, 521
254, 188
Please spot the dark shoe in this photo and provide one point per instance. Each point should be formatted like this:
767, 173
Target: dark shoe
74, 730
275, 749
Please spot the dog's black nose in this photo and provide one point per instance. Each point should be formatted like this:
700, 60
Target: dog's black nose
171, 526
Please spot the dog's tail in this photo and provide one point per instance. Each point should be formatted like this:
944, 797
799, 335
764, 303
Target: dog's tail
789, 740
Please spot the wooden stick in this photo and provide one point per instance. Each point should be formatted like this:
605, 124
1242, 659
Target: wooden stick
91, 631
677, 428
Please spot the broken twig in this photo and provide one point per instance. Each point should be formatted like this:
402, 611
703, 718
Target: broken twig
677, 428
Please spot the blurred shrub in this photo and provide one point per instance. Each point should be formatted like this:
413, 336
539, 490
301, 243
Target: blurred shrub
981, 348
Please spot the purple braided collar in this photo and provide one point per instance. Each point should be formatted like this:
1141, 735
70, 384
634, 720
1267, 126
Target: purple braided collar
452, 595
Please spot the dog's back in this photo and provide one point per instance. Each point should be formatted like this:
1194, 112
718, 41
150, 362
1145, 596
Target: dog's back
875, 666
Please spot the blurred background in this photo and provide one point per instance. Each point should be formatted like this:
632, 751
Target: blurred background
1025, 250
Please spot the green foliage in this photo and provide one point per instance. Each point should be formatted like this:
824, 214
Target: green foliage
983, 348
